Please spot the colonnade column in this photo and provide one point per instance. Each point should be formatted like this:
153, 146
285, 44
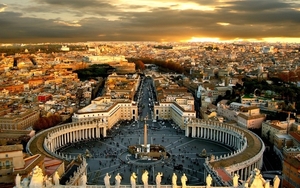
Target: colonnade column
55, 143
242, 174
51, 146
71, 137
88, 133
201, 132
187, 132
194, 131
66, 138
74, 136
97, 132
60, 141
104, 131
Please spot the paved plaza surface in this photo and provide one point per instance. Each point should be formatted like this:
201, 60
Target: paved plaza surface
109, 155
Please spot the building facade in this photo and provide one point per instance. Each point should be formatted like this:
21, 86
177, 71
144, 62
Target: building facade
270, 128
250, 118
291, 167
19, 119
11, 157
110, 111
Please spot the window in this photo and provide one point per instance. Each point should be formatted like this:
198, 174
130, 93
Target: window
7, 164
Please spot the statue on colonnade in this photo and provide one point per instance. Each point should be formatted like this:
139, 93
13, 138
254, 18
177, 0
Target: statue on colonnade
183, 180
133, 179
174, 181
107, 181
158, 179
118, 179
145, 179
208, 180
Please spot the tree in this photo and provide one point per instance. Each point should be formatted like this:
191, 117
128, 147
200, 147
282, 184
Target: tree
140, 65
46, 122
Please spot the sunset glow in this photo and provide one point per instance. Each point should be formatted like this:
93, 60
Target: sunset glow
281, 39
269, 40
149, 20
193, 6
223, 23
196, 39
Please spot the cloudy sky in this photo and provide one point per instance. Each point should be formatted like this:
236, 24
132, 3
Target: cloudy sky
24, 21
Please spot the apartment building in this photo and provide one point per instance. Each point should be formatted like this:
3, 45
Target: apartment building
122, 86
11, 157
250, 118
271, 128
209, 111
229, 111
173, 102
19, 119
291, 167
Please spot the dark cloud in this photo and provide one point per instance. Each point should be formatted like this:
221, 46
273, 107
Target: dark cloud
78, 8
257, 5
206, 2
248, 19
78, 4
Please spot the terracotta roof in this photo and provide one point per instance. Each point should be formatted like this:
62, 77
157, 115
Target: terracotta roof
295, 135
277, 126
222, 174
251, 117
293, 161
31, 159
51, 165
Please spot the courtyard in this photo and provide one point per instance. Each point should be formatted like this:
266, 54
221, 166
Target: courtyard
110, 155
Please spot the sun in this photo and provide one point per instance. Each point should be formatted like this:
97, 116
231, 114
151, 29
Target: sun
202, 39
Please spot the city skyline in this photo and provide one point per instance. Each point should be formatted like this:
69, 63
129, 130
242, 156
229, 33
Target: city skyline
149, 20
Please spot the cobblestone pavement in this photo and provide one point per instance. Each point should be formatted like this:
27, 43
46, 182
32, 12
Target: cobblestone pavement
110, 155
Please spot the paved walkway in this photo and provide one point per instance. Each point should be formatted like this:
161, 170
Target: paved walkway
107, 154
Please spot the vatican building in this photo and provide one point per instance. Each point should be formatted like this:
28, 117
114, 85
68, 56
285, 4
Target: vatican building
243, 161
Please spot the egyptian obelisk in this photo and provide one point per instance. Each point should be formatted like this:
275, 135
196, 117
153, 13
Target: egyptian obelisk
145, 137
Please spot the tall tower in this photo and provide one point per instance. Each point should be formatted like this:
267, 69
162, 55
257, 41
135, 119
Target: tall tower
145, 137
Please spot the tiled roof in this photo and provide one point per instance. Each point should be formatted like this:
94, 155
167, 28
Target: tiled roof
224, 176
295, 135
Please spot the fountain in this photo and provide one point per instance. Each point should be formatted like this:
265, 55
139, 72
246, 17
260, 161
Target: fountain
147, 153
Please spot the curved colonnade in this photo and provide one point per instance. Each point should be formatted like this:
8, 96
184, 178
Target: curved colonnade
73, 132
59, 136
248, 147
248, 154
